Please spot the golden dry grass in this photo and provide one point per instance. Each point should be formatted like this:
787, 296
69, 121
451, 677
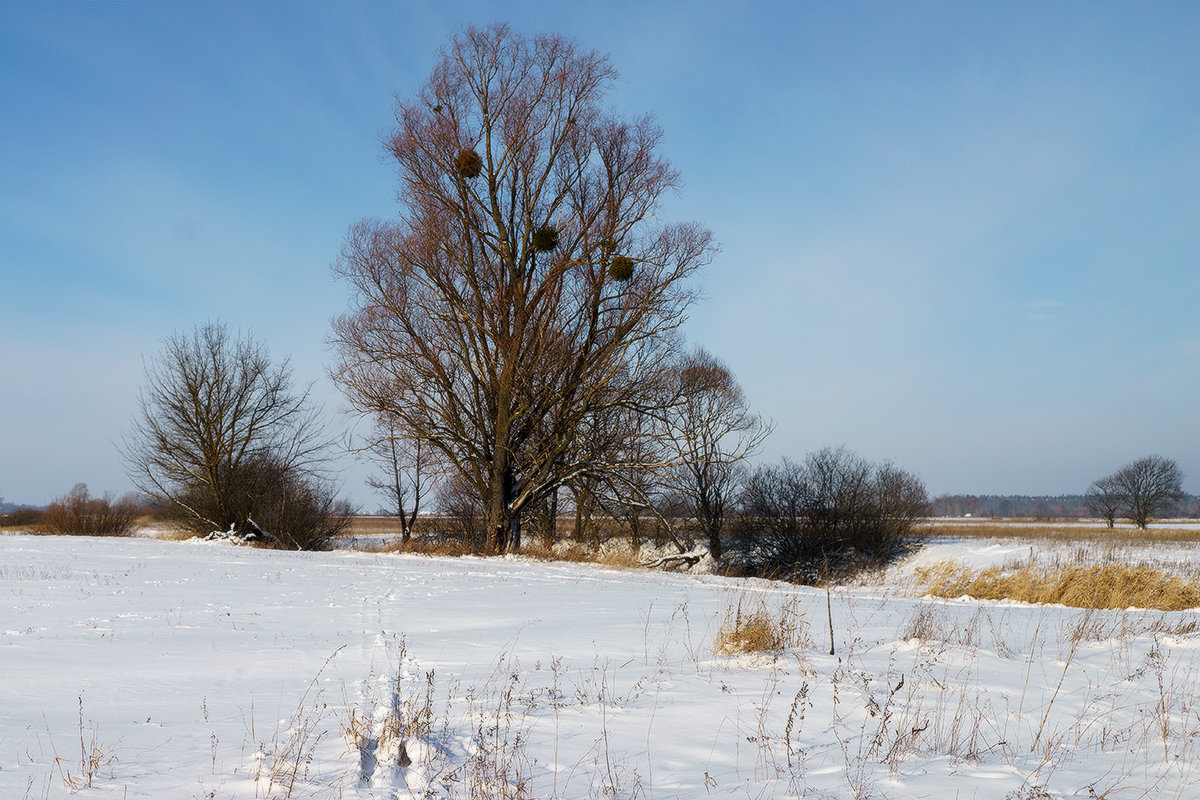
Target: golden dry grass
752, 625
1104, 586
1061, 531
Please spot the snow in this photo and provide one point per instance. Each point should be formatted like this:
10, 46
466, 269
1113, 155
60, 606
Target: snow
188, 670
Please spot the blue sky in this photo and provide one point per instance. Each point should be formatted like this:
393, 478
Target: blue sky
962, 236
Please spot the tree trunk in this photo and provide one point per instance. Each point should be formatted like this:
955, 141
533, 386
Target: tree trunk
552, 518
711, 521
499, 519
714, 543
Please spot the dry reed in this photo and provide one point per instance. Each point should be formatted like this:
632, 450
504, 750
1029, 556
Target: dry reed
1105, 586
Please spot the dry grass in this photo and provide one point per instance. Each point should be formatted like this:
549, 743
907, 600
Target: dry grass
429, 539
616, 556
1111, 586
753, 625
420, 547
1062, 531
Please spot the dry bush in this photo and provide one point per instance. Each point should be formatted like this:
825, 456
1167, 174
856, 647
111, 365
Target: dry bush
1110, 586
832, 514
80, 514
22, 518
752, 625
406, 729
94, 758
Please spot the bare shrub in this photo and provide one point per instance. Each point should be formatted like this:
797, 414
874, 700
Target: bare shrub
22, 518
462, 508
79, 514
832, 514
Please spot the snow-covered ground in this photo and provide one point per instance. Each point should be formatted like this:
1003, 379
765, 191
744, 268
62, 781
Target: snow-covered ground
184, 670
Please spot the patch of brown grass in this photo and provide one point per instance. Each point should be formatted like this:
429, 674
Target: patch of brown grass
751, 625
617, 557
1106, 586
1061, 532
422, 547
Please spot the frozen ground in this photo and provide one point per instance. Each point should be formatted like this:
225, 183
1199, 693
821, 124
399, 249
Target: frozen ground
181, 670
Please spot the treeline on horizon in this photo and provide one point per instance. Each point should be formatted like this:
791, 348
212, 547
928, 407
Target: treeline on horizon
1062, 506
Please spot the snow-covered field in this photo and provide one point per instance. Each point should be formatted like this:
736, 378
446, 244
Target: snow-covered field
182, 670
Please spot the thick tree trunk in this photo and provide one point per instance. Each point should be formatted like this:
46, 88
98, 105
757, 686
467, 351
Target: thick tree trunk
712, 522
714, 543
503, 522
497, 520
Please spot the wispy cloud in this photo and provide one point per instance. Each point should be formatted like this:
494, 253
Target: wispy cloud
1041, 310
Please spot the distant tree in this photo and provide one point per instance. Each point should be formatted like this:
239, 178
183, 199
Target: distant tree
1105, 499
1149, 487
405, 469
709, 432
527, 285
222, 435
79, 514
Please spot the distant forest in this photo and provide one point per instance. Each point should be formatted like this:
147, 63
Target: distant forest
1063, 506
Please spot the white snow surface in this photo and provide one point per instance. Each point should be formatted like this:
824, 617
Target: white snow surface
185, 670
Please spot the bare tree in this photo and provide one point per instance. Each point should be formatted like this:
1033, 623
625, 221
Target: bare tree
1148, 487
1105, 499
222, 435
709, 431
525, 286
406, 467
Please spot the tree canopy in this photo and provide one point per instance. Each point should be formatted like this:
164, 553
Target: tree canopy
525, 293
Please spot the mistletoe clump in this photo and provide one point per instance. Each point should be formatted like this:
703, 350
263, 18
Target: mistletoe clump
468, 163
545, 239
621, 268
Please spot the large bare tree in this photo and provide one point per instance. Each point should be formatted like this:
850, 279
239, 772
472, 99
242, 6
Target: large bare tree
224, 437
525, 288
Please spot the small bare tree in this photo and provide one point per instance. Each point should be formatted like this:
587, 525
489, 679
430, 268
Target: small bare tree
1105, 499
709, 432
405, 469
222, 435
